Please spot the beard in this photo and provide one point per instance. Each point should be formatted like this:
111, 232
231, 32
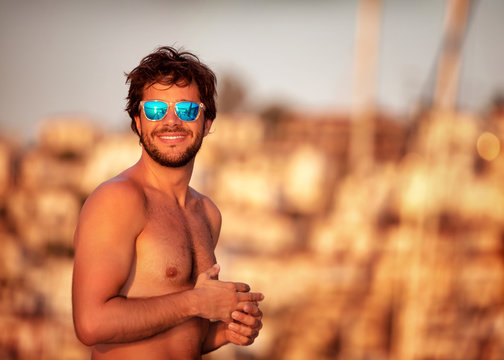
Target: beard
171, 159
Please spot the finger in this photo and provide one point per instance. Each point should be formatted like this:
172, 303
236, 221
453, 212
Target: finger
250, 308
243, 330
249, 320
249, 297
238, 339
241, 287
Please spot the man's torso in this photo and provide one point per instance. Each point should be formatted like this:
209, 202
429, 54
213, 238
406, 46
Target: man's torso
175, 245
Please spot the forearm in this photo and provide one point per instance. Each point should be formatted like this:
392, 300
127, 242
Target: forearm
216, 337
121, 319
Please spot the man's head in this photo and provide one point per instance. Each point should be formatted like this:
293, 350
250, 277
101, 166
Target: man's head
166, 137
169, 66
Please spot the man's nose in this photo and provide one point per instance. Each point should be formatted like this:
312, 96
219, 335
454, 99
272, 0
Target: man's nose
171, 116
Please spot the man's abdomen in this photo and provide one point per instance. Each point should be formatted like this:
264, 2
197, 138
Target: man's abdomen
180, 342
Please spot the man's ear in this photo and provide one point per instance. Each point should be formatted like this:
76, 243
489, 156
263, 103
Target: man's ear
137, 123
208, 126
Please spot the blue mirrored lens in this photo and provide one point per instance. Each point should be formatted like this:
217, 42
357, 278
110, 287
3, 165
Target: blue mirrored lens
187, 111
155, 110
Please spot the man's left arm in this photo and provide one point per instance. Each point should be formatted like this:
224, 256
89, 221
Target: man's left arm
247, 317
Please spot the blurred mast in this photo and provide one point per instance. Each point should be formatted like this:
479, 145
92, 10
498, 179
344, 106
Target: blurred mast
424, 246
448, 69
361, 151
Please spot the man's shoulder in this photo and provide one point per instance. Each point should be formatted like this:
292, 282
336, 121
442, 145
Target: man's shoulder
119, 190
206, 202
114, 207
211, 212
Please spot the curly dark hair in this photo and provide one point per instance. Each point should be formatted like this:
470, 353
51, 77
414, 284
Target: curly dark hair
169, 66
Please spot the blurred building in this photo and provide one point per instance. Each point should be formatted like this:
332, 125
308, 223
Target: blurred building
401, 261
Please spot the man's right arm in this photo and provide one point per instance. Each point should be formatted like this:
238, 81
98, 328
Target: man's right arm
110, 221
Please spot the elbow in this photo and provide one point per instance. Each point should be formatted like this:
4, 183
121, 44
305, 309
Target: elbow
86, 330
85, 338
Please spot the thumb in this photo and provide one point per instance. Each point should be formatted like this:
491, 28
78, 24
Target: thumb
211, 273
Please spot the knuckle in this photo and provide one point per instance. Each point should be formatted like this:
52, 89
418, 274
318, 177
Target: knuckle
230, 286
241, 287
252, 322
247, 332
247, 320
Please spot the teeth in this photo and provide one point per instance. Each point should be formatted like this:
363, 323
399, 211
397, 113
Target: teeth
171, 137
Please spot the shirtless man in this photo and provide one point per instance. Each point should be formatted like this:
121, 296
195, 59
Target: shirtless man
145, 280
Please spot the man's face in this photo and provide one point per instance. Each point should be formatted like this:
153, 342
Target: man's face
170, 141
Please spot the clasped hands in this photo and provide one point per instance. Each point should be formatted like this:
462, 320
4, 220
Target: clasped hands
232, 303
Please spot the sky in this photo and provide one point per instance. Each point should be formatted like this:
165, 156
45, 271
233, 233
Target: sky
68, 57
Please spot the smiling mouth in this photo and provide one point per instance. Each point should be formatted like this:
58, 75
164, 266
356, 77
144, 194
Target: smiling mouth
172, 137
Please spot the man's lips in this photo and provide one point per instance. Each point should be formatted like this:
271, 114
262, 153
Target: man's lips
172, 136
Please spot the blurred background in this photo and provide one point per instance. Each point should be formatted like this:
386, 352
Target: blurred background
356, 159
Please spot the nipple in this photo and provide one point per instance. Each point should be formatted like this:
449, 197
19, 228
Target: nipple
171, 272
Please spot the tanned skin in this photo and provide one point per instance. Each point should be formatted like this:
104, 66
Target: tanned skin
145, 280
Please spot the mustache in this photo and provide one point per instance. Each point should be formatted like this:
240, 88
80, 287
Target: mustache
172, 129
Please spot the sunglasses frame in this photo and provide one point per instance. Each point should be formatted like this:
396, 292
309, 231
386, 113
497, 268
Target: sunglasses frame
173, 104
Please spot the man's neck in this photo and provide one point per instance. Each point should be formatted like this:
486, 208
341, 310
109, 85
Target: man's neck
173, 181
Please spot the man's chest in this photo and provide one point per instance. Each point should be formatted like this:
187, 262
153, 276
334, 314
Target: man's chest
172, 250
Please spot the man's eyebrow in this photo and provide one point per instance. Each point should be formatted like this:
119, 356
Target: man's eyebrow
195, 101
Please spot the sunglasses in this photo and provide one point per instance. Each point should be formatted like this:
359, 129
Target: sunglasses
156, 110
